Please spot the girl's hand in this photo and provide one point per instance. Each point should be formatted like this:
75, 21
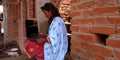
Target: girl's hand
39, 41
48, 40
43, 40
40, 33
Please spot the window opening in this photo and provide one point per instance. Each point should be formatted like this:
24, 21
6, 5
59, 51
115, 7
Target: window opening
102, 38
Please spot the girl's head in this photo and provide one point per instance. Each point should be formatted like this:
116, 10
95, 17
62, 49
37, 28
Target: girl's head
50, 10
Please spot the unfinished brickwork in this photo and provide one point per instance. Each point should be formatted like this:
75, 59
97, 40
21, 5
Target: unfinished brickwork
95, 27
95, 30
12, 24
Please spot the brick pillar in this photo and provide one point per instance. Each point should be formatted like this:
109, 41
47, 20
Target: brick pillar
10, 21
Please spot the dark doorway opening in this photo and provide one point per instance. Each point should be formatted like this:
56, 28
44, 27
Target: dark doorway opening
31, 28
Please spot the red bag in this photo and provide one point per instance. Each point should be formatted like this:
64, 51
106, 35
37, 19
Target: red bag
32, 48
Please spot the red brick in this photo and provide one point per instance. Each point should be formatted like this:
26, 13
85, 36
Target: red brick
13, 1
105, 10
90, 54
66, 2
101, 2
114, 20
74, 56
100, 49
84, 29
74, 7
85, 37
74, 22
118, 30
83, 21
88, 37
88, 21
12, 25
73, 48
86, 5
96, 17
74, 53
84, 45
77, 13
101, 20
53, 1
75, 42
74, 36
102, 30
57, 5
74, 1
82, 58
82, 53
113, 2
74, 28
98, 57
10, 11
117, 54
115, 43
87, 13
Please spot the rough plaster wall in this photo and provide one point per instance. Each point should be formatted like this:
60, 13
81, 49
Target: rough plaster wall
42, 20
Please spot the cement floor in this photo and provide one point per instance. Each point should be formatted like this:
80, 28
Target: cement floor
24, 57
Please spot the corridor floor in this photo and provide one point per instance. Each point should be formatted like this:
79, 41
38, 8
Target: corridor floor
24, 57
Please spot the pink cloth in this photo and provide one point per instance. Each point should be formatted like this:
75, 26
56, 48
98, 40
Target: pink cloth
34, 49
40, 56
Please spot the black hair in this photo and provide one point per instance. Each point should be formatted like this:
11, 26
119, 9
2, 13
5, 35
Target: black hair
53, 9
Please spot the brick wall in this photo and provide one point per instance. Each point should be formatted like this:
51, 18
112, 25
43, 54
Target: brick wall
64, 9
95, 27
56, 2
12, 23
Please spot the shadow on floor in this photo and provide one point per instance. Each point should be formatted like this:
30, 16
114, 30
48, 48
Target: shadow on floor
68, 57
24, 57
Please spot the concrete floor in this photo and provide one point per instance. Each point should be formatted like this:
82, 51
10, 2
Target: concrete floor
24, 57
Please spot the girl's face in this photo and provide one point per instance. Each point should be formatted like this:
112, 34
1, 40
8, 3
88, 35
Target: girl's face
48, 14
